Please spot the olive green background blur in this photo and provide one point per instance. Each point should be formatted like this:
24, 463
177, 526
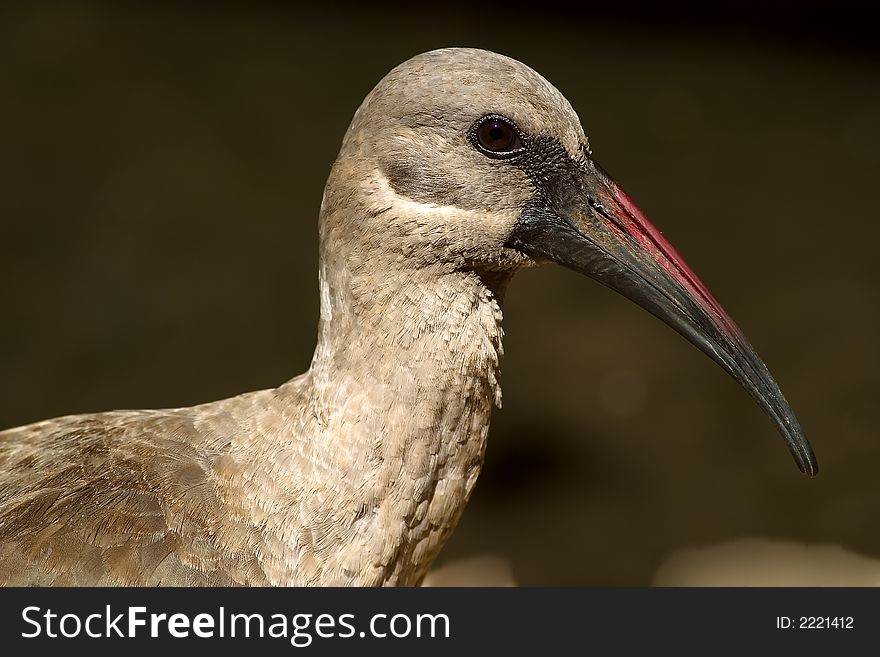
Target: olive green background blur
161, 169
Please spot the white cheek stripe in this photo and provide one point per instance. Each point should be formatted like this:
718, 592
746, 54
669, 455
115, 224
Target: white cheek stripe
382, 197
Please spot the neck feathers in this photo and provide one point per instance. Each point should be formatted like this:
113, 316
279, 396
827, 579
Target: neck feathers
425, 326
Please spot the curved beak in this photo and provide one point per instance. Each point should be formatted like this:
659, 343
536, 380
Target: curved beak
595, 228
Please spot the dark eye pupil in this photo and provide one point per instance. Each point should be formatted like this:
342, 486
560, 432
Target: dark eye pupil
498, 136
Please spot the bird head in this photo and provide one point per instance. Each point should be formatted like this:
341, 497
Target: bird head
466, 160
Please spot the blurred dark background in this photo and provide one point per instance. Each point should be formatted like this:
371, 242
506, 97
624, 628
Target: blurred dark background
161, 169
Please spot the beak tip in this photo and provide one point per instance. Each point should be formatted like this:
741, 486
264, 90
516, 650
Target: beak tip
801, 450
796, 441
809, 466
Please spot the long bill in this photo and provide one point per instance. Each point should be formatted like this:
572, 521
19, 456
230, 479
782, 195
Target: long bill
597, 230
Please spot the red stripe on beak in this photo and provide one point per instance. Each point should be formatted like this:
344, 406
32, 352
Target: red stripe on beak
649, 237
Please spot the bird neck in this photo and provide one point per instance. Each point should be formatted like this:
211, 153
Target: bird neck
420, 327
402, 385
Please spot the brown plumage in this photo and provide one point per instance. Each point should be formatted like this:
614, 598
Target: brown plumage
357, 471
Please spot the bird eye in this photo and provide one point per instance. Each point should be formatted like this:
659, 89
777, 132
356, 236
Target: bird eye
495, 136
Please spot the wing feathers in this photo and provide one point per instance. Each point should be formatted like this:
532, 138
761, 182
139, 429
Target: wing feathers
117, 498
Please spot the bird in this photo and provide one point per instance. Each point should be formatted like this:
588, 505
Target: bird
461, 167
